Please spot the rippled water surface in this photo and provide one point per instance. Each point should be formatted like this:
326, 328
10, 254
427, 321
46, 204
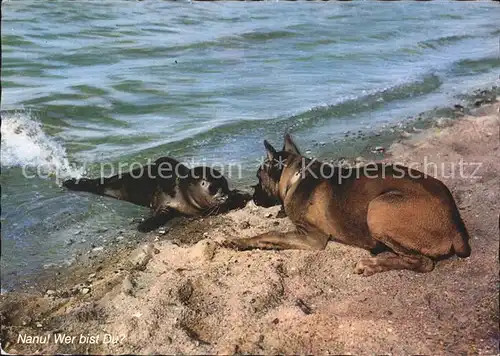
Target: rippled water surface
88, 82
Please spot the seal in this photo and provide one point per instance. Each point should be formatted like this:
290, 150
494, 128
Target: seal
169, 188
407, 219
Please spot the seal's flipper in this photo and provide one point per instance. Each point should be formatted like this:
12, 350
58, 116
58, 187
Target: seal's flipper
136, 187
83, 185
107, 186
158, 219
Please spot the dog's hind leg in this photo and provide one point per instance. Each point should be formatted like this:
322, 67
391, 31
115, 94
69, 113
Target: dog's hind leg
280, 241
413, 241
387, 261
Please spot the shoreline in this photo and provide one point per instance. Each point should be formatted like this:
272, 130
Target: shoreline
87, 239
178, 292
87, 246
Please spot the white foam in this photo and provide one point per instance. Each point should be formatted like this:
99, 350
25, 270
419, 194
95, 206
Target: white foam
26, 145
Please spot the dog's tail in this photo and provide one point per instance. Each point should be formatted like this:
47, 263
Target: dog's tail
84, 185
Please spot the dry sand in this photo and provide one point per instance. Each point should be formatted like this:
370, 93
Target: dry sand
184, 294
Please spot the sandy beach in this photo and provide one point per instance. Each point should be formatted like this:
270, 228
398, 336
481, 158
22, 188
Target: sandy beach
179, 292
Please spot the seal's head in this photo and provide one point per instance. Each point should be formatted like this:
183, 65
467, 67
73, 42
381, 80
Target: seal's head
266, 192
206, 188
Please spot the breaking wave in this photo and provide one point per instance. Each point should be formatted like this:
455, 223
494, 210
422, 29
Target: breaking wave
27, 146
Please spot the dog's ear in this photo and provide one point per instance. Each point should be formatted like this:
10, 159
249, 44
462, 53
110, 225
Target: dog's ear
271, 152
289, 145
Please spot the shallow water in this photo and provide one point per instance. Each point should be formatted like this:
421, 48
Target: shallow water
122, 81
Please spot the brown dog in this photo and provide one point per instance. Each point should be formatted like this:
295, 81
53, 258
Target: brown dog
404, 217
